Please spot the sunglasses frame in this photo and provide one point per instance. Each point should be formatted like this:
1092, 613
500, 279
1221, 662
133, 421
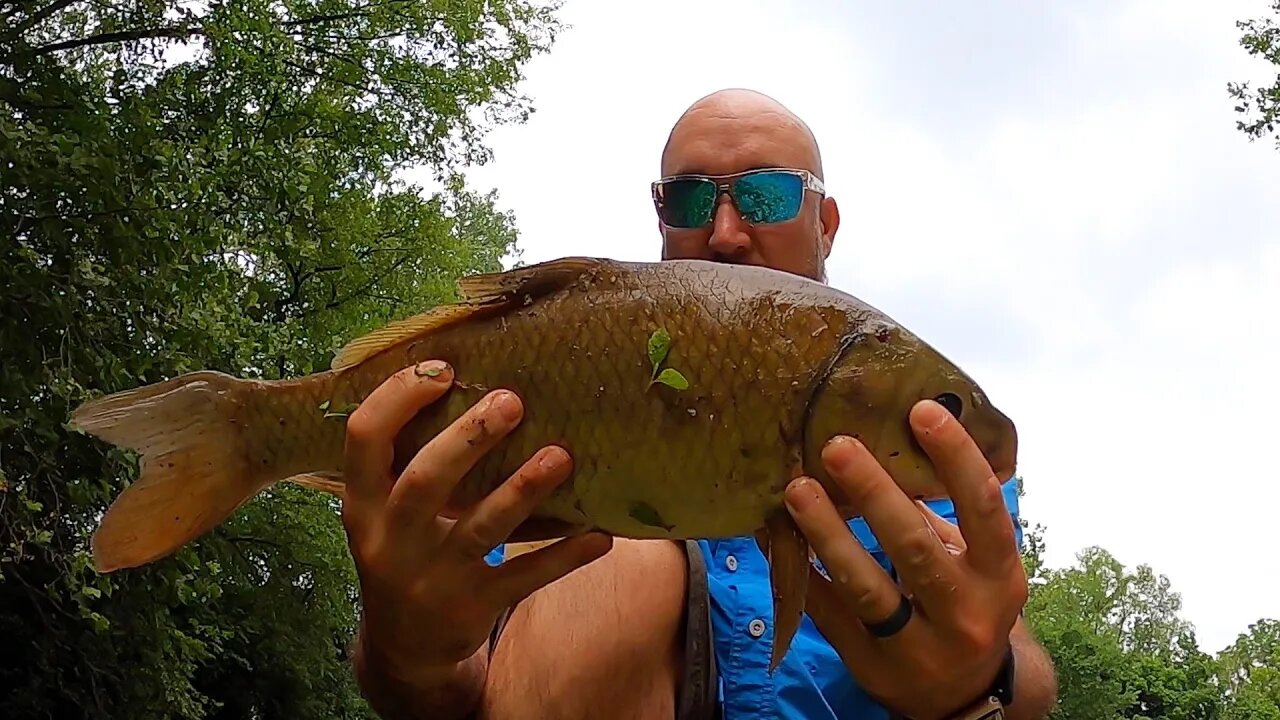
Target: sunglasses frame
725, 183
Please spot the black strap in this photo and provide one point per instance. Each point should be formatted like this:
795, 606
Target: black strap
698, 698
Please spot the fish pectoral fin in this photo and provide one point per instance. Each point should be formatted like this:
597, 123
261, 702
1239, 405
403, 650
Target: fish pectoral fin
788, 554
329, 482
532, 281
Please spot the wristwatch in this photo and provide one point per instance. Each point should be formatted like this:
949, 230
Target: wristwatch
989, 709
994, 700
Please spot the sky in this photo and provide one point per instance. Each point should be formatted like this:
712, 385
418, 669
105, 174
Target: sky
1054, 195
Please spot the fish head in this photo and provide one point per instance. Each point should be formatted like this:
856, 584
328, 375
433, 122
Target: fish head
869, 392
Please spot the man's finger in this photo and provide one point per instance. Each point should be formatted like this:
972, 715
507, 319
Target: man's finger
923, 566
372, 427
864, 587
491, 521
427, 481
521, 576
948, 534
984, 519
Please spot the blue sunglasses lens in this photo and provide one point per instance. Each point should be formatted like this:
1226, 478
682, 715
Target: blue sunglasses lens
688, 203
769, 197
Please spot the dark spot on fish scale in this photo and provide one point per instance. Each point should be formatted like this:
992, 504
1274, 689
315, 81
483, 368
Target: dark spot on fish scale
645, 513
883, 334
894, 454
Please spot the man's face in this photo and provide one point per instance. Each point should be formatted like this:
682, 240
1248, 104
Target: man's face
726, 139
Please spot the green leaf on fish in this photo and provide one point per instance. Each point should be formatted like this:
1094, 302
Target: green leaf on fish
645, 513
672, 378
659, 346
324, 406
343, 411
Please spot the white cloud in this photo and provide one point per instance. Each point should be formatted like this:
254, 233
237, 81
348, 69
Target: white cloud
1033, 189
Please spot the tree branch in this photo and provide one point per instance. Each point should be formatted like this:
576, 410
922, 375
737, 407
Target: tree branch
118, 37
39, 16
373, 282
360, 11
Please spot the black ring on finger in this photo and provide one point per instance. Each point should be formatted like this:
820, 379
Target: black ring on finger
894, 623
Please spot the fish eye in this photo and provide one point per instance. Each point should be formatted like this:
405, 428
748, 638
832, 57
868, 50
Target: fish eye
951, 402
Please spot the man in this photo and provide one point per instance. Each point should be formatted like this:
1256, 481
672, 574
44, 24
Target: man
595, 627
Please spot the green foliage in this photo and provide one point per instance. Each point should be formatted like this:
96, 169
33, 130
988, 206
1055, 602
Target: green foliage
1250, 671
1121, 650
659, 346
1260, 106
672, 378
233, 207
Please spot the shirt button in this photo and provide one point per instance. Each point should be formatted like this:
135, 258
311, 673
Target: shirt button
731, 562
756, 628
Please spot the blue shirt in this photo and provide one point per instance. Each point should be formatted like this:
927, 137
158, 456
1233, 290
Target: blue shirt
811, 682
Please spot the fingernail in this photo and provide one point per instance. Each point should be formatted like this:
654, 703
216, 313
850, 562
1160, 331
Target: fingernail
506, 405
929, 415
801, 495
843, 446
431, 368
553, 458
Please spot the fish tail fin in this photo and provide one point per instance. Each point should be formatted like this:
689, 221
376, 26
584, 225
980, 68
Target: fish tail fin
788, 554
196, 464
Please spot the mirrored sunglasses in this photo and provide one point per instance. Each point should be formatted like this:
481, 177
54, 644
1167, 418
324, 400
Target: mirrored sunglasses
770, 195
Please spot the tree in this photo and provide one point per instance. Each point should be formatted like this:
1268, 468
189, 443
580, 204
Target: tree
1250, 672
228, 203
1260, 106
1118, 644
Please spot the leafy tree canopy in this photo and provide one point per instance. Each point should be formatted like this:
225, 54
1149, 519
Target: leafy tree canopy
213, 185
1260, 106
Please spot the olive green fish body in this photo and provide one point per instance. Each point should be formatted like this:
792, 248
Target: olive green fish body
695, 437
650, 460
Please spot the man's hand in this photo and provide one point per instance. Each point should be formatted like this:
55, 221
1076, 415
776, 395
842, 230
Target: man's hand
966, 586
429, 599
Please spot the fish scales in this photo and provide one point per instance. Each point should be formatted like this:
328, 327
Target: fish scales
649, 460
776, 365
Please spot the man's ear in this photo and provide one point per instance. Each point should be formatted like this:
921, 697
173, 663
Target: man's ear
662, 236
829, 217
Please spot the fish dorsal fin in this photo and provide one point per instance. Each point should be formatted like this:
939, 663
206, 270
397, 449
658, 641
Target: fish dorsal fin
481, 292
532, 281
366, 346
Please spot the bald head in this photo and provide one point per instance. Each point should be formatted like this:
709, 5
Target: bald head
747, 116
734, 131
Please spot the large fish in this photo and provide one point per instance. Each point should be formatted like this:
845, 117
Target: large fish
688, 393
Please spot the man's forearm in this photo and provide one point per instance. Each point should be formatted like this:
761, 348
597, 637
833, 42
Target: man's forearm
399, 693
1035, 684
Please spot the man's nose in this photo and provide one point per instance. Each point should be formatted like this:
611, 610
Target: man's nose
729, 235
